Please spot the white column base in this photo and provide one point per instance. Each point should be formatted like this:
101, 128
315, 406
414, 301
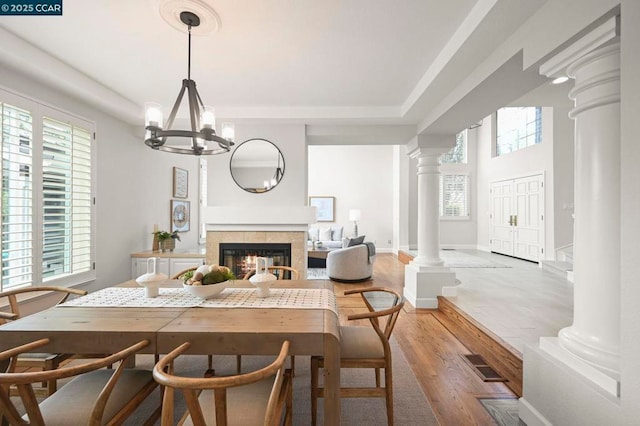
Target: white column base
423, 285
551, 345
555, 393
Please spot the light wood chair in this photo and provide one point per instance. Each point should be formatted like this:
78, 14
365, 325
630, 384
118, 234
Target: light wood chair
261, 397
365, 347
280, 272
40, 361
95, 396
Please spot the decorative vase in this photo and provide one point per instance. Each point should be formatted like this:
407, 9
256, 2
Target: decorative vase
262, 278
152, 279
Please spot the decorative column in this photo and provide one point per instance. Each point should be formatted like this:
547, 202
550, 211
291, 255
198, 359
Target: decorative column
428, 209
595, 333
425, 276
591, 345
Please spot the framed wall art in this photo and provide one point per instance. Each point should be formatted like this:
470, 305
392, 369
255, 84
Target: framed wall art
180, 215
180, 183
325, 208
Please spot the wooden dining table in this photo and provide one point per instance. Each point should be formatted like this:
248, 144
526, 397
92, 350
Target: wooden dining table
216, 331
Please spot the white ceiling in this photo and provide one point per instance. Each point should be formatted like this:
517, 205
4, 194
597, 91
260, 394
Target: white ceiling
328, 61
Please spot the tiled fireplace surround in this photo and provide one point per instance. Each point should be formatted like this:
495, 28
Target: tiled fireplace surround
297, 240
266, 224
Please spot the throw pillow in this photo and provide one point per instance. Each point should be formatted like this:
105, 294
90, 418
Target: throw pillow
313, 234
325, 234
345, 242
355, 241
336, 233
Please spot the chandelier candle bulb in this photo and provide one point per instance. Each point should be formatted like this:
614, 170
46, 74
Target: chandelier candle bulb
153, 115
228, 131
208, 118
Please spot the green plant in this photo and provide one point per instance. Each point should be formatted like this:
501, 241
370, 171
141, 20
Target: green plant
164, 235
216, 274
187, 275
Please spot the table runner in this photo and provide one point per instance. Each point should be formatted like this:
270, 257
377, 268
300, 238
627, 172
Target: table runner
288, 298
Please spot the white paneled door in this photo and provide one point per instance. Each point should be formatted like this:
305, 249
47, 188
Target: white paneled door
517, 217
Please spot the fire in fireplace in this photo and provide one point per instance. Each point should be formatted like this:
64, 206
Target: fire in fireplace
241, 257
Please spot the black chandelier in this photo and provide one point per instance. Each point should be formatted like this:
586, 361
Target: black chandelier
202, 118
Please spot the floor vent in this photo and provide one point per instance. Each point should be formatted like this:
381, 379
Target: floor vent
482, 369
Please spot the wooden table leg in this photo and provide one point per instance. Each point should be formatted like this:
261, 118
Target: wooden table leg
331, 381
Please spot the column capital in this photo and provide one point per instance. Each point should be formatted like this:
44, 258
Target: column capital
557, 65
430, 145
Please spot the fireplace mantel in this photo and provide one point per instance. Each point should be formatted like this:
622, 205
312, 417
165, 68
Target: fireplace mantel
258, 218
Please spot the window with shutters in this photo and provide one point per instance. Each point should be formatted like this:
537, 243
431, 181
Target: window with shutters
47, 195
454, 196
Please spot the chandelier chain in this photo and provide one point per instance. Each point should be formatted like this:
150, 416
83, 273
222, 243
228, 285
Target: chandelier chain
189, 57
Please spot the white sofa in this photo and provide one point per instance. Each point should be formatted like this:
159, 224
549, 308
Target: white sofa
329, 236
351, 264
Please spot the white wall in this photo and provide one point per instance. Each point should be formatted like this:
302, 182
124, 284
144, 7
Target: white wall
524, 162
359, 177
134, 183
630, 212
401, 197
292, 189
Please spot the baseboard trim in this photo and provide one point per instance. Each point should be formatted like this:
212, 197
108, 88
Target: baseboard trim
530, 415
458, 247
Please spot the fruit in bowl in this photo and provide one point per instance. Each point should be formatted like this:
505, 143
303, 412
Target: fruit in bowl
207, 281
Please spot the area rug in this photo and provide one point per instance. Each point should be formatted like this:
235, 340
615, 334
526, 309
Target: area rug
410, 404
317, 274
503, 410
458, 259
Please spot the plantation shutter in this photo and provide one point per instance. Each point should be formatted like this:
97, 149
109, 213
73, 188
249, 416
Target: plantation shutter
17, 196
67, 199
454, 195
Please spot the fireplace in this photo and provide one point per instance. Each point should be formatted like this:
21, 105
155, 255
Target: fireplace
263, 224
241, 257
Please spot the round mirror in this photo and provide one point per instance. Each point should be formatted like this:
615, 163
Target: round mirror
257, 165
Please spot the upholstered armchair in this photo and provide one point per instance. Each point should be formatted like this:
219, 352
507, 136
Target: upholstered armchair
351, 264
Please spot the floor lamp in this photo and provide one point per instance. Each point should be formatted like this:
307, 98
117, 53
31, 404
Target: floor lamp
354, 215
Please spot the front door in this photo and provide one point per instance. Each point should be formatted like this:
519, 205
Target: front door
518, 217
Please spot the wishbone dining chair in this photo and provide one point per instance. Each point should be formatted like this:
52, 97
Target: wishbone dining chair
95, 396
43, 360
260, 397
365, 347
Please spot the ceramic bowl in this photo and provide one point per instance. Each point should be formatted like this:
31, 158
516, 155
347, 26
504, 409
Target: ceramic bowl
206, 291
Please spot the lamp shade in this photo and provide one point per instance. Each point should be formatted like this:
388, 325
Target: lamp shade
354, 214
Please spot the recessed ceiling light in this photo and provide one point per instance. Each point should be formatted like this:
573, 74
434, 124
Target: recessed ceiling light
560, 80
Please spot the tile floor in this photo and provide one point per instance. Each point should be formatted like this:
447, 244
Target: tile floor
520, 304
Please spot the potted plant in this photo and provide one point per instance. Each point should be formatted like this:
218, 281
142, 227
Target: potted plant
166, 240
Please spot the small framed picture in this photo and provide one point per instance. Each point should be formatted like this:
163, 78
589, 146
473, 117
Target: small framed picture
180, 183
180, 215
325, 208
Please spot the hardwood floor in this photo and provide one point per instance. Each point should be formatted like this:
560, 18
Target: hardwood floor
433, 353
